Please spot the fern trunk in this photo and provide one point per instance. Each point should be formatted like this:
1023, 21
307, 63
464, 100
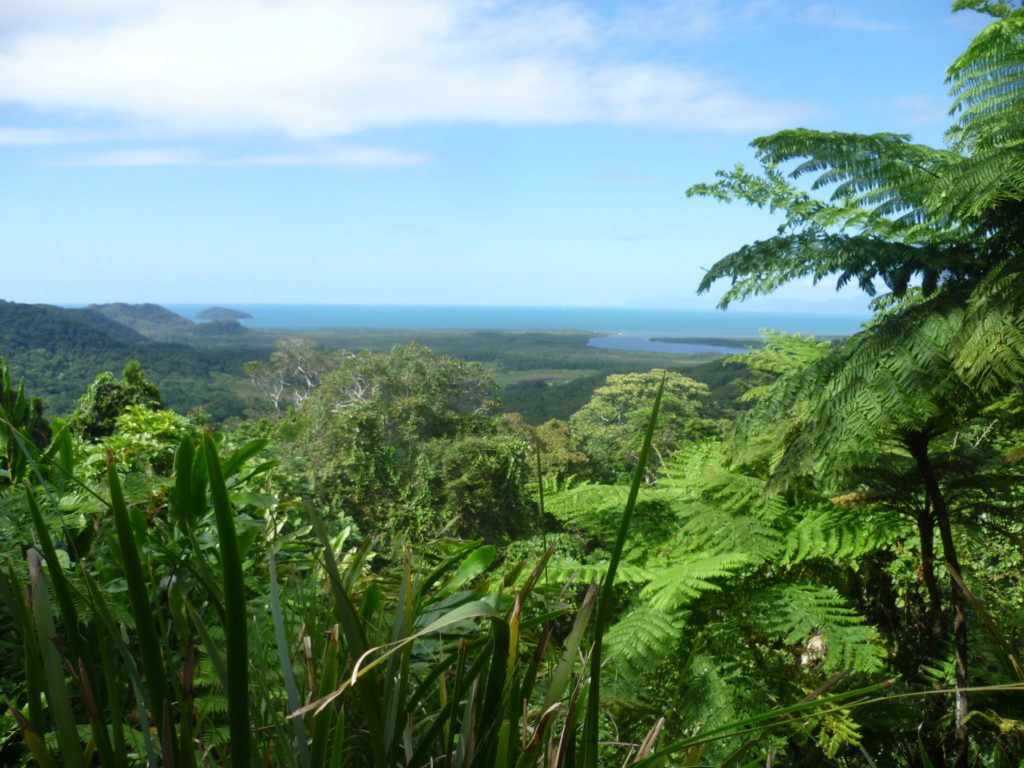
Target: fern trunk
918, 448
933, 619
926, 535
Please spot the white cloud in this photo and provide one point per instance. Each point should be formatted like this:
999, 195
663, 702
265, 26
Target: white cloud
18, 17
920, 110
317, 68
353, 156
137, 157
841, 17
35, 137
679, 19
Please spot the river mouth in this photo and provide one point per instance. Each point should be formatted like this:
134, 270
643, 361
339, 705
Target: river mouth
646, 344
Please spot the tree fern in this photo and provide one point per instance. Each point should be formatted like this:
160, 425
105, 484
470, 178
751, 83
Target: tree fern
709, 581
987, 85
843, 533
798, 612
640, 639
686, 577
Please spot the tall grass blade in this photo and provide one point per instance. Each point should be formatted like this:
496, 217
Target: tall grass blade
563, 672
182, 498
145, 626
322, 720
338, 745
75, 643
20, 610
57, 698
396, 681
355, 640
604, 604
60, 584
34, 742
113, 636
115, 708
235, 629
285, 661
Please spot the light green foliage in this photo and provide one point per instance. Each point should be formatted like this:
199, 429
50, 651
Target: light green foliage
291, 374
560, 454
843, 533
408, 441
716, 588
610, 425
96, 413
145, 438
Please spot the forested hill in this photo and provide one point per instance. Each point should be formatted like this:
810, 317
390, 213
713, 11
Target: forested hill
59, 352
149, 320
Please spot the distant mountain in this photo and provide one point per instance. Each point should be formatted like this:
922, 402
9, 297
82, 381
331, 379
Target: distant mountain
150, 320
222, 314
158, 323
59, 352
42, 327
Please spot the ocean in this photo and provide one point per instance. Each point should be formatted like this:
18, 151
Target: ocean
630, 322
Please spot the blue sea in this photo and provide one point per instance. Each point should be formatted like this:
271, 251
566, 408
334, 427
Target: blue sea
632, 322
621, 328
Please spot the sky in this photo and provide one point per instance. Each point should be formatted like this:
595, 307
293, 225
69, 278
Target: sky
463, 152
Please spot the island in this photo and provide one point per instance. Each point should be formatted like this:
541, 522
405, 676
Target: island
222, 314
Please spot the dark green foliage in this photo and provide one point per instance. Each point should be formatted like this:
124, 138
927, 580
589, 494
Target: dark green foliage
539, 400
472, 486
60, 351
610, 426
22, 425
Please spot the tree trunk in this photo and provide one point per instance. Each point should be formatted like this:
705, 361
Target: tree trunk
932, 705
918, 447
926, 535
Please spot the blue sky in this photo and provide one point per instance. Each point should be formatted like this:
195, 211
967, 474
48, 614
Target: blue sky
424, 151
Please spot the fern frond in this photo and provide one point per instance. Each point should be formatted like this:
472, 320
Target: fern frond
686, 577
640, 639
989, 349
798, 612
595, 510
710, 528
838, 730
561, 570
987, 83
883, 173
842, 534
715, 690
